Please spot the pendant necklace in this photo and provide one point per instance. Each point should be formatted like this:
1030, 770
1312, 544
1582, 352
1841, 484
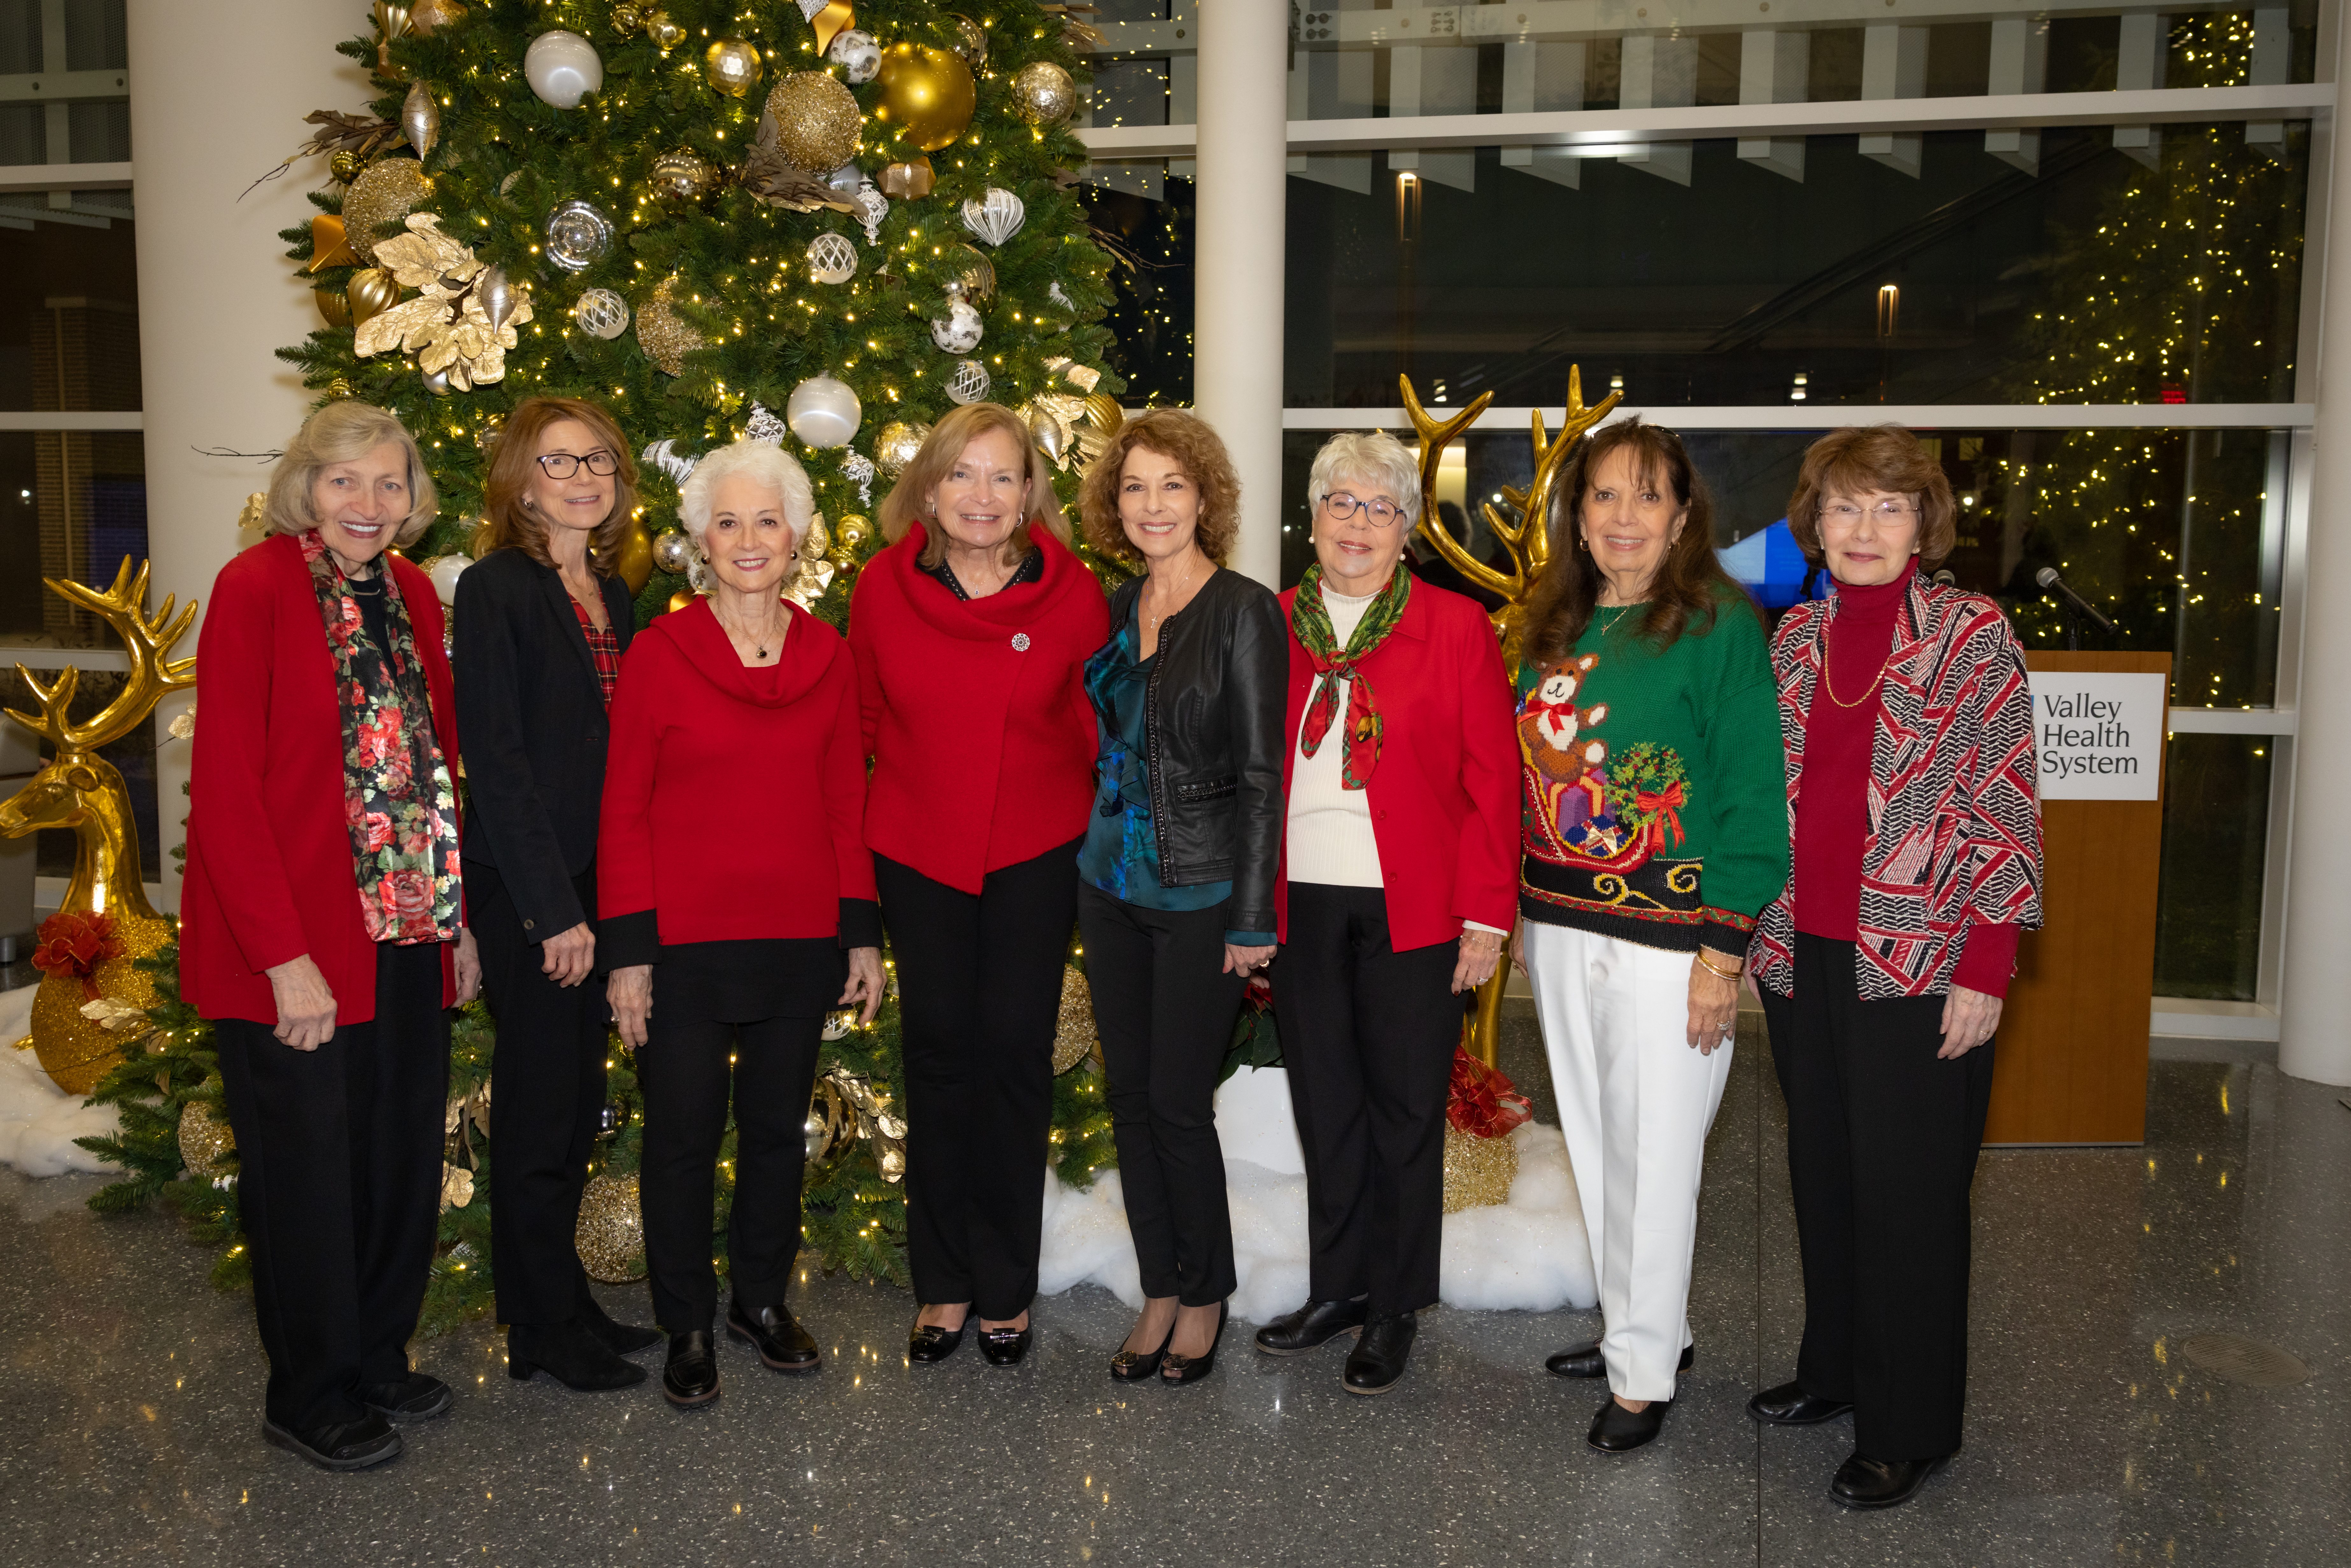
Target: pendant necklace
1153, 626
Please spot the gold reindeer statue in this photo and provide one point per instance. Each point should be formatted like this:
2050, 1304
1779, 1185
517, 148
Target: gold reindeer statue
1529, 542
78, 789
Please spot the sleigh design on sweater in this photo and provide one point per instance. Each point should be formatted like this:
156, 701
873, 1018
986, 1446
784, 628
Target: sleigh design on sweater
1601, 824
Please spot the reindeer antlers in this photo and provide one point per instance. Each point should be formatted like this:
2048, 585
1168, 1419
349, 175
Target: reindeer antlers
148, 640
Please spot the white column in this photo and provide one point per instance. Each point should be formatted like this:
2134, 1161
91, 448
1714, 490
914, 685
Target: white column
1544, 76
2138, 65
1894, 65
1774, 68
2315, 990
211, 106
1658, 73
2020, 64
1237, 278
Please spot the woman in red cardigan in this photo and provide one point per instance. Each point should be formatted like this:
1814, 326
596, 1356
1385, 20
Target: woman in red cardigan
735, 746
971, 632
1400, 876
321, 925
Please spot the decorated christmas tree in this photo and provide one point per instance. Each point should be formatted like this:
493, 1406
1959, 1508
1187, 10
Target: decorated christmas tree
813, 223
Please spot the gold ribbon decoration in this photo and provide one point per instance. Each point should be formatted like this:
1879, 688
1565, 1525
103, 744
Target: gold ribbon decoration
827, 17
329, 246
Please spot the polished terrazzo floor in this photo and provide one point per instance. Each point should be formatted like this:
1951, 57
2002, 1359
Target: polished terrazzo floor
129, 1396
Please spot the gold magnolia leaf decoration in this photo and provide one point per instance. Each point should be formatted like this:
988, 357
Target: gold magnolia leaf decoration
446, 326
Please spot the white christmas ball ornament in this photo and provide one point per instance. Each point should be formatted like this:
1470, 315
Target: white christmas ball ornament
601, 313
831, 258
994, 217
823, 412
970, 382
444, 570
857, 54
959, 331
563, 67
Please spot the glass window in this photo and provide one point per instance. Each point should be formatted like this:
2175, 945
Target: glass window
2216, 819
1150, 242
74, 504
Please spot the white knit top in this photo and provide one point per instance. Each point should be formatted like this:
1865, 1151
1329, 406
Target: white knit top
1331, 837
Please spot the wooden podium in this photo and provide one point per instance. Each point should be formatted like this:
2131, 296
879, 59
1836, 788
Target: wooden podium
2072, 1045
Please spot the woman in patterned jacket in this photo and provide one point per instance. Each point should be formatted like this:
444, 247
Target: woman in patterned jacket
1882, 965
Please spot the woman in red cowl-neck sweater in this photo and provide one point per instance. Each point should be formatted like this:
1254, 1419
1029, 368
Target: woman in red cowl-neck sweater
971, 632
1909, 728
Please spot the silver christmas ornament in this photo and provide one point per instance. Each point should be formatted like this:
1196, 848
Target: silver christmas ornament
601, 313
763, 425
497, 294
996, 216
435, 381
873, 206
857, 54
823, 412
960, 330
563, 67
970, 382
577, 235
831, 258
673, 551
420, 118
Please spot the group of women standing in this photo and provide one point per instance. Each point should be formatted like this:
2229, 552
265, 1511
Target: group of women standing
1343, 790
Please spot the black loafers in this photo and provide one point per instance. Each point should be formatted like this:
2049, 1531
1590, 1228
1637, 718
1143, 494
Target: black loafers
414, 1398
691, 1376
571, 1355
1585, 1361
1004, 1347
1881, 1483
341, 1445
1311, 1327
930, 1345
1617, 1430
776, 1334
1376, 1362
1790, 1405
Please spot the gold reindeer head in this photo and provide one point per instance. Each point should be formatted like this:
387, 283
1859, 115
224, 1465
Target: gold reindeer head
1529, 538
78, 789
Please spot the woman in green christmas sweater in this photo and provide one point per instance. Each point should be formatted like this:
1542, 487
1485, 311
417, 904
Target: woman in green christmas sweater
1656, 827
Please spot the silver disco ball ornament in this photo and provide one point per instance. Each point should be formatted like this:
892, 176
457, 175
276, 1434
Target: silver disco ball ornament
577, 235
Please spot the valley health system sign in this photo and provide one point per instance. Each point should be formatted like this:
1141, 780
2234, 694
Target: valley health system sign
2099, 737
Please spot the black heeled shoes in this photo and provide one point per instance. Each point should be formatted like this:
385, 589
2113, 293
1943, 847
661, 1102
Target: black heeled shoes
1617, 1430
569, 1352
1136, 1365
1179, 1369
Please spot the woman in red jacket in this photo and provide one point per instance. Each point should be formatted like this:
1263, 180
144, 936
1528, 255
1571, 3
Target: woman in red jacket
971, 632
1400, 876
321, 925
735, 743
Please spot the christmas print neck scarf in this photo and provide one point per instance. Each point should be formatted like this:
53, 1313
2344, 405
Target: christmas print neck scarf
1310, 623
396, 794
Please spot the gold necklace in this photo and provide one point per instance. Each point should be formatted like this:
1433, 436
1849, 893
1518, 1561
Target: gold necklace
1153, 624
760, 644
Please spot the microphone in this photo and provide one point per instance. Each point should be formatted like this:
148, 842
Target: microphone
2048, 579
1946, 578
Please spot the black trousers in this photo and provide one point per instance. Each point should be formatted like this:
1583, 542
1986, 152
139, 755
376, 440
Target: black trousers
338, 1153
547, 1092
1164, 1008
687, 1076
1368, 1034
1882, 1144
979, 994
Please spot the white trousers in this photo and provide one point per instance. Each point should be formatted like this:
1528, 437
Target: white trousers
1636, 1100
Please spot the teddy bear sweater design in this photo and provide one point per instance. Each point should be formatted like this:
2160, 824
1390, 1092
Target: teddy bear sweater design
1653, 804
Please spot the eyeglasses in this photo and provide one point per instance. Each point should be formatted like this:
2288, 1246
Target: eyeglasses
1883, 512
562, 465
1376, 514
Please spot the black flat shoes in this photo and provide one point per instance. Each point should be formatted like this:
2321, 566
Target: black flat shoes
1617, 1430
1004, 1347
1377, 1362
691, 1376
1881, 1483
1585, 1361
1178, 1368
776, 1334
414, 1398
341, 1445
1790, 1405
1311, 1327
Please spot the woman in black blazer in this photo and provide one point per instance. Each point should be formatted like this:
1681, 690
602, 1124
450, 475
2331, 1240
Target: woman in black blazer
541, 622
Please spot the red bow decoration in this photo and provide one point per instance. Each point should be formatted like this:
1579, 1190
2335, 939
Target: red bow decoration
74, 944
1483, 1101
1662, 809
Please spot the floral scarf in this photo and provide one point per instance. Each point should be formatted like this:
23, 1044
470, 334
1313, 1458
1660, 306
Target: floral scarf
1310, 623
396, 793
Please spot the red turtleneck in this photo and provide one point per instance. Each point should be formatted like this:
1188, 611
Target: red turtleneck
1833, 811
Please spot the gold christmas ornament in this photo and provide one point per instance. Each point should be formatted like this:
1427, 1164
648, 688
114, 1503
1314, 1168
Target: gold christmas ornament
328, 247
831, 1126
663, 332
733, 66
370, 292
1074, 1035
627, 16
79, 790
448, 327
635, 565
665, 33
816, 121
429, 16
682, 599
973, 270
896, 443
907, 181
1043, 93
345, 165
681, 178
205, 1140
926, 92
420, 119
386, 192
392, 21
673, 551
611, 1238
457, 1186
334, 310
1478, 1171
970, 40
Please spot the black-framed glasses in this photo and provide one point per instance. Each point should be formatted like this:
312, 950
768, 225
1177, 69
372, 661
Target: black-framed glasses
563, 465
1376, 513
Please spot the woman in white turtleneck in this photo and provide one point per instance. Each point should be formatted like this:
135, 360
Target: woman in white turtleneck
1400, 876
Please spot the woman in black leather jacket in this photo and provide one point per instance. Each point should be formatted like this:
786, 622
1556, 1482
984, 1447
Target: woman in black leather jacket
1176, 873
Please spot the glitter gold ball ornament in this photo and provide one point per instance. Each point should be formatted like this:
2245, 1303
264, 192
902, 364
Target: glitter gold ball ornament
204, 1139
371, 292
1478, 1171
733, 66
673, 551
345, 165
816, 121
665, 334
563, 67
75, 1050
577, 235
1074, 1033
831, 258
601, 313
681, 178
665, 32
970, 382
927, 92
1043, 93
897, 443
857, 55
611, 1238
386, 192
970, 40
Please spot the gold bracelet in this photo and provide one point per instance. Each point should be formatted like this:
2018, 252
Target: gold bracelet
1723, 974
